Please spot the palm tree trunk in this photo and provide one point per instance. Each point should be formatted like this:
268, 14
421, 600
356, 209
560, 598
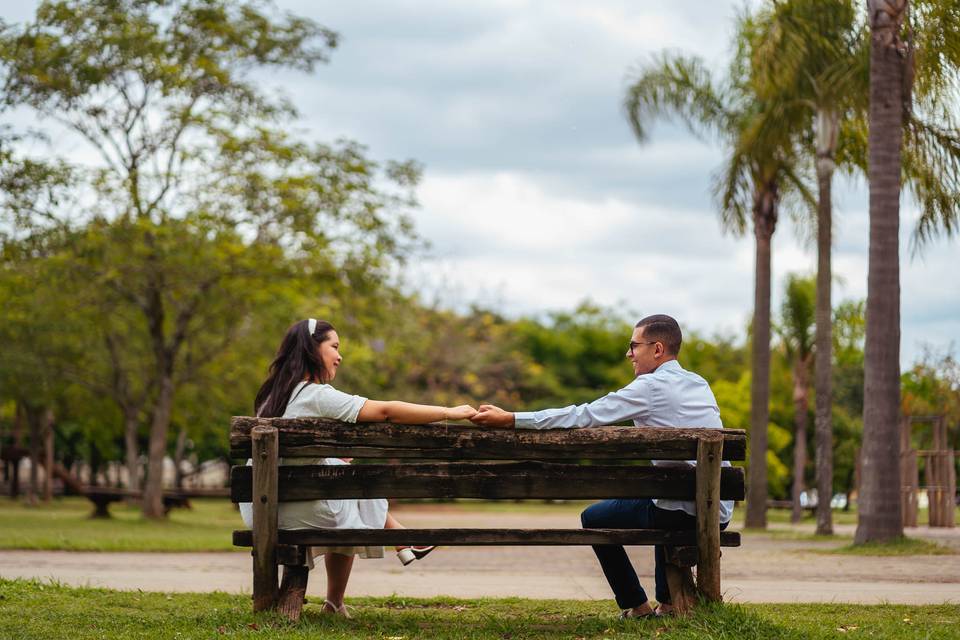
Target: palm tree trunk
880, 517
764, 223
801, 400
826, 130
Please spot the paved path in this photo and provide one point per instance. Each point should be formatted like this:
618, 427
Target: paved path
765, 569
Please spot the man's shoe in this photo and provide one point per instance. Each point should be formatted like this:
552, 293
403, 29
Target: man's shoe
409, 554
629, 614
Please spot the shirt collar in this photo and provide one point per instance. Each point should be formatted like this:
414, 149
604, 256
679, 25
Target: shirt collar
669, 365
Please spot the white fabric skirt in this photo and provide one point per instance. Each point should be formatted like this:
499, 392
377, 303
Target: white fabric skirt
329, 514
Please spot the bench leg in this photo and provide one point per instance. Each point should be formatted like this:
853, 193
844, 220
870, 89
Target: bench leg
101, 509
683, 592
293, 588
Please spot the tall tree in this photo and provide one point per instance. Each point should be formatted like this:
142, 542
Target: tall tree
198, 192
760, 170
809, 52
796, 328
914, 65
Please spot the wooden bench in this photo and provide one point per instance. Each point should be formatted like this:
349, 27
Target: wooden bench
102, 497
489, 464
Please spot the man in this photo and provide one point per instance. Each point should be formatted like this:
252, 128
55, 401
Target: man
663, 394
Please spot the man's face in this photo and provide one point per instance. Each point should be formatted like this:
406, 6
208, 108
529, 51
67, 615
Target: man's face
645, 354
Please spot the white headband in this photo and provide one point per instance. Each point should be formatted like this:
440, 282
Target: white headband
311, 325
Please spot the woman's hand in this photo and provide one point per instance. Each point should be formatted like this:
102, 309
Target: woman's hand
463, 412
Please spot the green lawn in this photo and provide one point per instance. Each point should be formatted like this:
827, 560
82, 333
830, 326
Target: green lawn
31, 610
66, 524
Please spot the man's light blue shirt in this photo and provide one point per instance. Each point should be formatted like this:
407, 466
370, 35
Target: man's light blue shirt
670, 396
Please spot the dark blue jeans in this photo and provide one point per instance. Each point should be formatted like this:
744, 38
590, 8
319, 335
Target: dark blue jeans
633, 514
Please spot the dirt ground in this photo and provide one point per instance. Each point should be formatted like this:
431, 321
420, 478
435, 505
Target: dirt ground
767, 568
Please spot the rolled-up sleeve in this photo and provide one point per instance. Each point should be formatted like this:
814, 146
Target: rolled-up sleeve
629, 403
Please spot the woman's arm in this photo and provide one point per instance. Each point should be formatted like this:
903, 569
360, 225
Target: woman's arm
409, 413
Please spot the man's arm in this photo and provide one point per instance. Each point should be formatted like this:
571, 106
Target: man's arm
628, 403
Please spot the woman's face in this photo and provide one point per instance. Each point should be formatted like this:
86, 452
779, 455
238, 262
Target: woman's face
330, 355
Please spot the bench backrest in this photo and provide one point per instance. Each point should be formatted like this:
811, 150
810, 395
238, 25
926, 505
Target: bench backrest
544, 463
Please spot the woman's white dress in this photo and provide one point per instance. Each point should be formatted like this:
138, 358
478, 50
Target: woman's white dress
322, 400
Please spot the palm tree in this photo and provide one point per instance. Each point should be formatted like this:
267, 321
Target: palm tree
796, 329
914, 62
760, 170
816, 53
810, 53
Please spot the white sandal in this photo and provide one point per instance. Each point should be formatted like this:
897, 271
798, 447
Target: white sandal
329, 607
409, 554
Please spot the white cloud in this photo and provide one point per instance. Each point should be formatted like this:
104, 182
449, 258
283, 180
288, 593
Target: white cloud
536, 195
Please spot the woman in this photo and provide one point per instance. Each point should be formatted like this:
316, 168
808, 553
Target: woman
298, 385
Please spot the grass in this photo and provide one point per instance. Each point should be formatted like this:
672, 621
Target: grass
903, 546
33, 610
65, 524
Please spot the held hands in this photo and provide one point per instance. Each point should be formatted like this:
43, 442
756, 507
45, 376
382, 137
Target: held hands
491, 416
463, 412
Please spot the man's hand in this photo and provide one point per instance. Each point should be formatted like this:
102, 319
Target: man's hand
491, 416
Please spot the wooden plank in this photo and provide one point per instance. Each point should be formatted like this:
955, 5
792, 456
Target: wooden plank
486, 537
322, 437
533, 480
264, 540
708, 516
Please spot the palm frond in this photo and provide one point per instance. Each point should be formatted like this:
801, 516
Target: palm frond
675, 87
931, 171
733, 192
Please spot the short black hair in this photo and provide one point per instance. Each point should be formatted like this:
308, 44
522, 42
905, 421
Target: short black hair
665, 329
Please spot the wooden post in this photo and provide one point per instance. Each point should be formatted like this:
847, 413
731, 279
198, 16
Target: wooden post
709, 452
909, 474
293, 589
265, 445
683, 593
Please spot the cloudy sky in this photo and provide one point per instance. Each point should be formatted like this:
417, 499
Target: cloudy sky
535, 194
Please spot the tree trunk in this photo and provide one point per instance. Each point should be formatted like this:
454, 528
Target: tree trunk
47, 433
20, 416
827, 126
132, 447
178, 457
879, 513
153, 489
801, 402
33, 489
95, 460
764, 224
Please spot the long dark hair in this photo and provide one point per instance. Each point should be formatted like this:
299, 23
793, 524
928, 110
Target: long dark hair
297, 359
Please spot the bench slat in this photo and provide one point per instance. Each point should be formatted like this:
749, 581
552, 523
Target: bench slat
322, 437
485, 537
532, 480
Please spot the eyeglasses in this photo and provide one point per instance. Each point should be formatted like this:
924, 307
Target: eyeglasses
634, 345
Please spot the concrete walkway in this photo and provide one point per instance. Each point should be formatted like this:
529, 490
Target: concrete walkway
767, 568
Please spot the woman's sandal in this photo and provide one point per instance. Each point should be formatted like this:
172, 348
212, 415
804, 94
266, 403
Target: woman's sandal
329, 607
409, 554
